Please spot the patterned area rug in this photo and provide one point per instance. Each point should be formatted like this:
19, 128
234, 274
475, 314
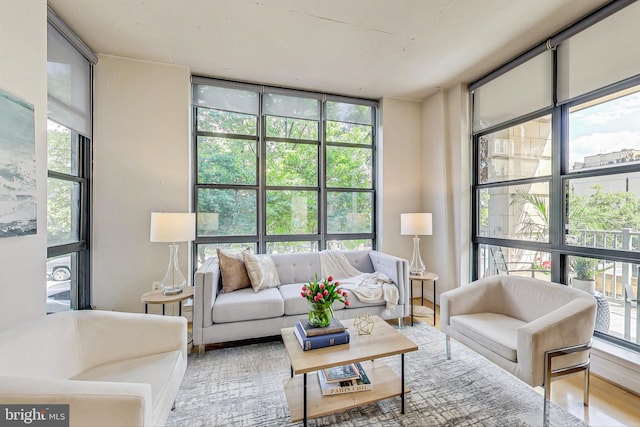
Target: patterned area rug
242, 386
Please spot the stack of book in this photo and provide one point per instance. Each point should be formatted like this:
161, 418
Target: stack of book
311, 338
344, 379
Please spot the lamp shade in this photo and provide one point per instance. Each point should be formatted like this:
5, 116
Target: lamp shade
416, 224
173, 227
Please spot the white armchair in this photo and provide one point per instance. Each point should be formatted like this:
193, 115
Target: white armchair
115, 369
534, 329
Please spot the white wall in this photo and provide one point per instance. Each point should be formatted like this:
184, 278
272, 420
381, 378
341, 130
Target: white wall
23, 73
401, 171
425, 167
141, 165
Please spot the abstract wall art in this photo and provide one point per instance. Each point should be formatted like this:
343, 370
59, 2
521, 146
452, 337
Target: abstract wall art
17, 167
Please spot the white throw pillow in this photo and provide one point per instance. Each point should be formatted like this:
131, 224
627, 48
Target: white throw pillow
262, 271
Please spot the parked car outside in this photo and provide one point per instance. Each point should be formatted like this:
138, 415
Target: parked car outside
59, 269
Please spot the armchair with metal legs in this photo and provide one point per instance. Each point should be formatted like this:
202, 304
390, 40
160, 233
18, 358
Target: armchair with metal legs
550, 373
534, 329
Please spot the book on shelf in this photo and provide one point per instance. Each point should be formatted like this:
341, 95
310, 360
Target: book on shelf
337, 374
334, 327
362, 383
320, 341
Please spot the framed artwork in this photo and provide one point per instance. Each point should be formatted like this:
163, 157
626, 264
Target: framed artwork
17, 167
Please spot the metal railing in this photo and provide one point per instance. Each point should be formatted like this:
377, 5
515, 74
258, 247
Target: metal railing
625, 239
617, 281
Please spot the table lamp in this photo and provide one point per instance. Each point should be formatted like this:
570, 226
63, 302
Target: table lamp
173, 227
416, 224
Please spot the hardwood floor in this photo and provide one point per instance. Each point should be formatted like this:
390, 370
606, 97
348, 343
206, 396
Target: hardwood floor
609, 405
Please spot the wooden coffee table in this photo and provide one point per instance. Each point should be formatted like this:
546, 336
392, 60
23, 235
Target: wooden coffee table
304, 396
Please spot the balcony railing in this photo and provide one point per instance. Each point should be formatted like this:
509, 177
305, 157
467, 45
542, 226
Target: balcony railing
617, 281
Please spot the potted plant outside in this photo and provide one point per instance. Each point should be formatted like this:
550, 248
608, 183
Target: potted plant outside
584, 278
584, 274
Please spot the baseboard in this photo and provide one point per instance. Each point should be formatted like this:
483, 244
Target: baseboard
616, 364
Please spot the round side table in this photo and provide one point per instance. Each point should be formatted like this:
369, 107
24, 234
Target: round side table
421, 310
157, 297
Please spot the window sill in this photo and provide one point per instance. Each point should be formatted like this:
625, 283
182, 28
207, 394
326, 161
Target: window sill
616, 364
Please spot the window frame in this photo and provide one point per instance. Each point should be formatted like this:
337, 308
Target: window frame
262, 239
81, 295
560, 250
79, 250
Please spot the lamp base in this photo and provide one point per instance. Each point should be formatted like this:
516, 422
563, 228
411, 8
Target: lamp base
173, 280
174, 291
417, 266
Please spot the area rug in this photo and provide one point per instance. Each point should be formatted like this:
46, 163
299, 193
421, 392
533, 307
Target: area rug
242, 386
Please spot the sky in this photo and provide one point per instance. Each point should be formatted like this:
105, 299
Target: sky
605, 128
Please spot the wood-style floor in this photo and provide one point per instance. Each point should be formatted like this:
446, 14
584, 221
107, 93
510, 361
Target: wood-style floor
609, 405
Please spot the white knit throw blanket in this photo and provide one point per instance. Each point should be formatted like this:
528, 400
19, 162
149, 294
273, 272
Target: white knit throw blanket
368, 287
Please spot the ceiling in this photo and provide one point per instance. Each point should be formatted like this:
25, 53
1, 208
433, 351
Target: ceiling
368, 48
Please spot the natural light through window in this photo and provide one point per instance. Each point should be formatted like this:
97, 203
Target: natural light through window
605, 132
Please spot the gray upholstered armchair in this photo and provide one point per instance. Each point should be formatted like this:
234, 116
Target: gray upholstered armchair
534, 329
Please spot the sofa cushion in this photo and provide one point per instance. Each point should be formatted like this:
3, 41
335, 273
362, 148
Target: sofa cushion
245, 304
233, 271
496, 332
157, 370
262, 271
293, 301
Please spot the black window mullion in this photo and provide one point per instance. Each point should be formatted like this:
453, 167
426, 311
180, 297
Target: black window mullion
262, 176
65, 177
322, 177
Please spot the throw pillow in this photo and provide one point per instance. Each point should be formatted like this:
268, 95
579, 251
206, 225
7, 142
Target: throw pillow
234, 273
262, 271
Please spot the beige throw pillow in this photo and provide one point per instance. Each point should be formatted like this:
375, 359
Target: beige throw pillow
234, 273
262, 271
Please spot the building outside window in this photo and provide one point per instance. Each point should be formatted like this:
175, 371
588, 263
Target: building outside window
279, 170
557, 176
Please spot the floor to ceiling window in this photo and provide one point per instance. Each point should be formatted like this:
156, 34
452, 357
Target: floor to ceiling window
556, 142
69, 169
279, 170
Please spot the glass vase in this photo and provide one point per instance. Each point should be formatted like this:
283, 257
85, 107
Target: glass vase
173, 280
320, 315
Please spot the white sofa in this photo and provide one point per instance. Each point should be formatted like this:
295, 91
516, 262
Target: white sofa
113, 369
243, 314
519, 322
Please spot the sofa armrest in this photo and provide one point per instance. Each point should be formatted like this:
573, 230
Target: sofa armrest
569, 325
91, 403
396, 269
206, 283
106, 336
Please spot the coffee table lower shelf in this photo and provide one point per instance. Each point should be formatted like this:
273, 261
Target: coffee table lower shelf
386, 384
